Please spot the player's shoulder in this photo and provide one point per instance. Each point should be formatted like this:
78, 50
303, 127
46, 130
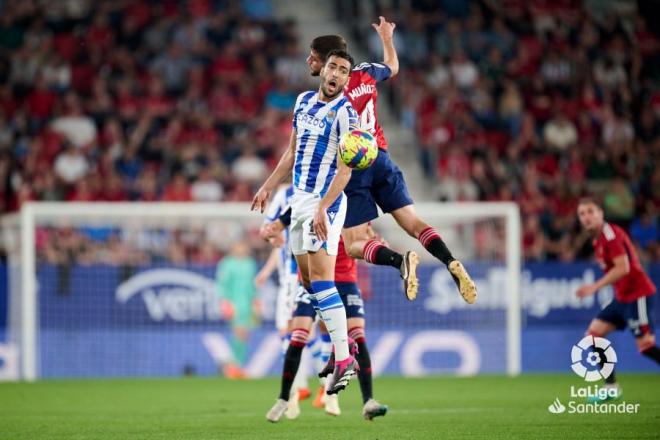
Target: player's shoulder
304, 97
611, 232
346, 106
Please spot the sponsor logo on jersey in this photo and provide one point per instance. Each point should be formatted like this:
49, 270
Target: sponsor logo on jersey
308, 122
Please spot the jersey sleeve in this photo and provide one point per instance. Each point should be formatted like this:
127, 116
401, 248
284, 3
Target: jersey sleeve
295, 109
614, 245
378, 71
346, 118
303, 97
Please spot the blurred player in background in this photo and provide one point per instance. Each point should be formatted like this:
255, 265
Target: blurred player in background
633, 289
382, 185
235, 285
319, 204
282, 260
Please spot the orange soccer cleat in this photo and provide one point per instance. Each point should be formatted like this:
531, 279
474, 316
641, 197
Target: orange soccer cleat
303, 393
319, 400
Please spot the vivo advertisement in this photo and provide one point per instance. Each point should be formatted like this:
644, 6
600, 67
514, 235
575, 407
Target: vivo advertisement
102, 321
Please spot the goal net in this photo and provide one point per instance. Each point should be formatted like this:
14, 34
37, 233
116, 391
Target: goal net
107, 290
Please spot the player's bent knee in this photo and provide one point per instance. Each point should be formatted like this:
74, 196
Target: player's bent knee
599, 328
301, 322
299, 337
357, 334
355, 322
408, 219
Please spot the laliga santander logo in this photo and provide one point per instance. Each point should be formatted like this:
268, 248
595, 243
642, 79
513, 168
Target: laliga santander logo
593, 358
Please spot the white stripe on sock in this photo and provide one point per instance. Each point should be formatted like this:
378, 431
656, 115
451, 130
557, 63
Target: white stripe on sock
641, 311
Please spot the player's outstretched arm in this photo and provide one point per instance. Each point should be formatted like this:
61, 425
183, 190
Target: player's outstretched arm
337, 185
283, 168
619, 270
385, 31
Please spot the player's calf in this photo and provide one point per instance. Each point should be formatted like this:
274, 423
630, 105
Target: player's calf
432, 242
292, 361
647, 347
364, 361
333, 313
375, 252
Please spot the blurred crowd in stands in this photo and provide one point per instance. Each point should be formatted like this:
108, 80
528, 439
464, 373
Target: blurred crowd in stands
535, 101
120, 100
142, 100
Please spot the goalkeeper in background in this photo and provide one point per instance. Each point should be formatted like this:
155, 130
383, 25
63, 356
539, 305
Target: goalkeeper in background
235, 284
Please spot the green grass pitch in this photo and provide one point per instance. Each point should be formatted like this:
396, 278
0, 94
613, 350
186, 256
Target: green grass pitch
488, 407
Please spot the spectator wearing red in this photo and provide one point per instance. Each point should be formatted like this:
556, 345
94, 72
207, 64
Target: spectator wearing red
178, 190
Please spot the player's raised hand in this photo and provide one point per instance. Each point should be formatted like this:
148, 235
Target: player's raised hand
384, 28
260, 200
271, 230
320, 224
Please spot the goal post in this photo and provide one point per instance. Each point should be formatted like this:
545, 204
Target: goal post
39, 326
447, 218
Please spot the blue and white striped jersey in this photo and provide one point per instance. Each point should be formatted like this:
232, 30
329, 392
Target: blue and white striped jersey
319, 126
281, 202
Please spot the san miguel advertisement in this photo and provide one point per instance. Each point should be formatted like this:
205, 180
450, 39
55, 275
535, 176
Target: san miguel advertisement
103, 321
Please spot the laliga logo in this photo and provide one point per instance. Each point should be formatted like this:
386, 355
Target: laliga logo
593, 358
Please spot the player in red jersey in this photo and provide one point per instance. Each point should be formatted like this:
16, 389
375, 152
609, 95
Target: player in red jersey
304, 314
633, 289
382, 184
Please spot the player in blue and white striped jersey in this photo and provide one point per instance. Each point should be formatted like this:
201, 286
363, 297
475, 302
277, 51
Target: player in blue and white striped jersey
281, 259
318, 204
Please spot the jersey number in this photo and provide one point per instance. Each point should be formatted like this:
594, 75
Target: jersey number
368, 117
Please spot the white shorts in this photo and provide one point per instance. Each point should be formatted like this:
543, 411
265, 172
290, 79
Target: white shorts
303, 238
286, 295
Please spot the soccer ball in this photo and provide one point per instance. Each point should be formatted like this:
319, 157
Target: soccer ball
357, 149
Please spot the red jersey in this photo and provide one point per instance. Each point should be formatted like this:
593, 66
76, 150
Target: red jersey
345, 266
362, 93
613, 242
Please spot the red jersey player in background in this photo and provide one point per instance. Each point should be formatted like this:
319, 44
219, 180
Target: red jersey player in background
382, 184
633, 289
